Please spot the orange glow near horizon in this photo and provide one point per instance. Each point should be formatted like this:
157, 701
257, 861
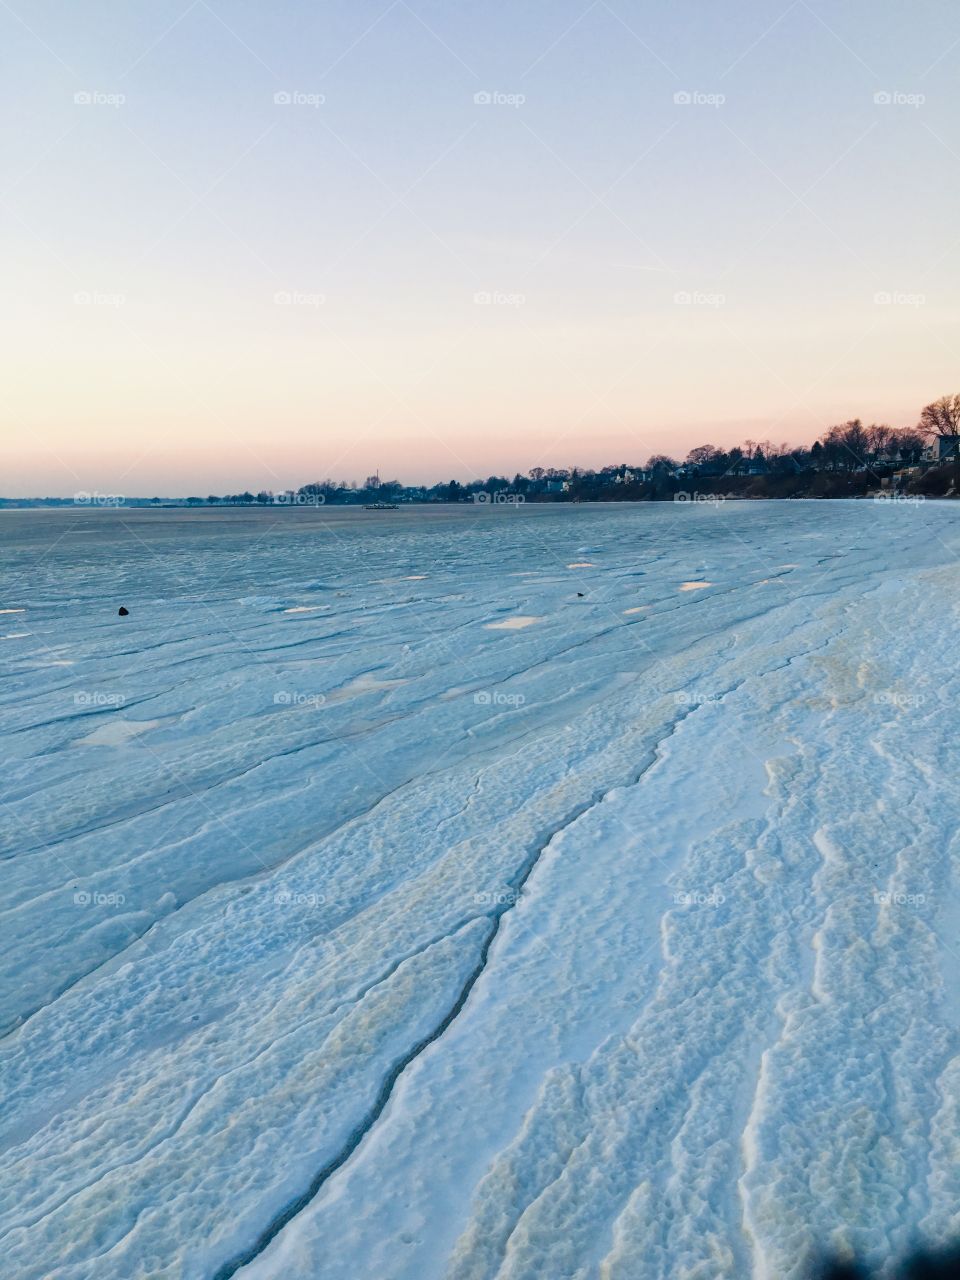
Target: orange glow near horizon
219, 281
220, 422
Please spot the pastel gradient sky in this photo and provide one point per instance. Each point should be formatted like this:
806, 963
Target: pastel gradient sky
207, 290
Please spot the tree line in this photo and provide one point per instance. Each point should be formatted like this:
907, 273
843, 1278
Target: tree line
846, 449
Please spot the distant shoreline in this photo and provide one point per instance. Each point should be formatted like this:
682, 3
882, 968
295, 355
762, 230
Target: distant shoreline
693, 498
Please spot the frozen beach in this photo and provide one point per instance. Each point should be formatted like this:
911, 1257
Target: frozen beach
480, 892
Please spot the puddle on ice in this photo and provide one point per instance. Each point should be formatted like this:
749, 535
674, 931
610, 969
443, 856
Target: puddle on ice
515, 623
362, 684
694, 586
457, 691
117, 732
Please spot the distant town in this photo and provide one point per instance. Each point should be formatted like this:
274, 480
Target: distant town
850, 460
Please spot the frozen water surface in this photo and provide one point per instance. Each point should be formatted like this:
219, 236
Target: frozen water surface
478, 892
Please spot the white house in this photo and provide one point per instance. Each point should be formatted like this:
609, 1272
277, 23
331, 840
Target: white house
943, 449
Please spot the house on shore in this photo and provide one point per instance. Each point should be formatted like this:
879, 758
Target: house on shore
943, 449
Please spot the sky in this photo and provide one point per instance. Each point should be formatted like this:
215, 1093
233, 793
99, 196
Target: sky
250, 245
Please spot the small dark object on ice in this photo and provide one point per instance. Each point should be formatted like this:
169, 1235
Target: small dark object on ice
580, 594
122, 611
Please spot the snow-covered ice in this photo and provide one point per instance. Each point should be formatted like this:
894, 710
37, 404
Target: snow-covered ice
484, 892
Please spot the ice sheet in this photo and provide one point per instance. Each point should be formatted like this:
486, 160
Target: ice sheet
619, 945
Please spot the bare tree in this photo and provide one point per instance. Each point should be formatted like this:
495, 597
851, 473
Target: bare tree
910, 443
941, 418
846, 446
771, 450
879, 436
702, 453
